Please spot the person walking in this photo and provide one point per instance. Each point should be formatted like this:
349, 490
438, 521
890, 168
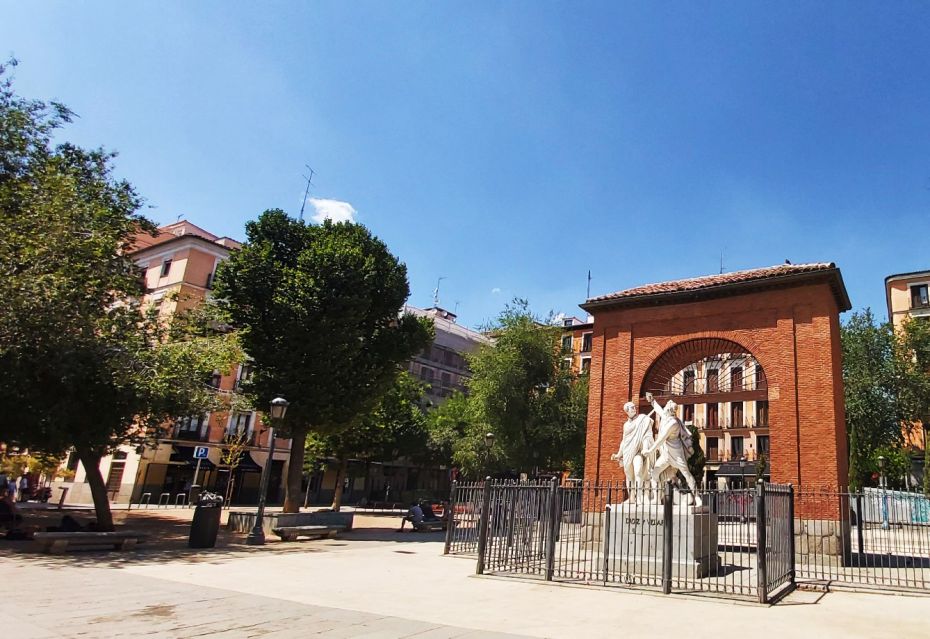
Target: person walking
24, 487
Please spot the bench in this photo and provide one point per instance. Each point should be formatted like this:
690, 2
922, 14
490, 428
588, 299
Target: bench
429, 525
291, 533
59, 542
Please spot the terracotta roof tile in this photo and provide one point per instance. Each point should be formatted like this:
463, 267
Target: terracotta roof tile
712, 281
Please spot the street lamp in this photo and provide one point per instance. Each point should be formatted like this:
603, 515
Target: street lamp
742, 476
488, 444
257, 534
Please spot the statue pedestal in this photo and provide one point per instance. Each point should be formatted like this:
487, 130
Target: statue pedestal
635, 539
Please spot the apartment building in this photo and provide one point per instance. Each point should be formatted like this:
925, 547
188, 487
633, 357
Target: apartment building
908, 295
576, 344
442, 364
178, 266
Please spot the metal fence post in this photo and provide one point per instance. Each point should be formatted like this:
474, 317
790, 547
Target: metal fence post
483, 525
667, 539
761, 572
551, 527
450, 519
860, 513
791, 560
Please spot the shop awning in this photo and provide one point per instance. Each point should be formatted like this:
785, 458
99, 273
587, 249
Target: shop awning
733, 469
185, 455
248, 465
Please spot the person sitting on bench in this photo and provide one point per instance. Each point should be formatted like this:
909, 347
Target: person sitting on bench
9, 513
414, 516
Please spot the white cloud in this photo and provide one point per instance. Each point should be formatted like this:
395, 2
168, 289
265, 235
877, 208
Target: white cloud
495, 291
335, 210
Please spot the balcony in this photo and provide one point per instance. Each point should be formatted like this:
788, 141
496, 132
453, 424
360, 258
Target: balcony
190, 435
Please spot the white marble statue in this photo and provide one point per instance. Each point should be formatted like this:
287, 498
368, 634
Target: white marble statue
674, 446
637, 436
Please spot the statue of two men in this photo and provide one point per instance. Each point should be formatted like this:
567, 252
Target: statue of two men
639, 448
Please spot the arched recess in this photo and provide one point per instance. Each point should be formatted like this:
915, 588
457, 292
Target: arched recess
722, 390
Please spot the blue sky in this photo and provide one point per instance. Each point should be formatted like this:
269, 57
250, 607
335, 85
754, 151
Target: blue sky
512, 146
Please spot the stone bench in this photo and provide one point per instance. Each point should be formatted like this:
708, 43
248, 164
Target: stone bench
60, 542
291, 533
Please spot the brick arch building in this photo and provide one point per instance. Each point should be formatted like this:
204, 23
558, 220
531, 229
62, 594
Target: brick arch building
783, 319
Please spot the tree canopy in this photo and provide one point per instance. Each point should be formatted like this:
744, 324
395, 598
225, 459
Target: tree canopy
83, 364
887, 388
317, 308
521, 392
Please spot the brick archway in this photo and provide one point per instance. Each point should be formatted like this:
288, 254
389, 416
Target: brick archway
786, 317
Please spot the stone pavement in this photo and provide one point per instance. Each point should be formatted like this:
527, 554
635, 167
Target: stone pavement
102, 603
377, 583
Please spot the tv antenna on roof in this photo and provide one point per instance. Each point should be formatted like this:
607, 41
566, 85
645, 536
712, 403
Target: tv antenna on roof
436, 292
309, 179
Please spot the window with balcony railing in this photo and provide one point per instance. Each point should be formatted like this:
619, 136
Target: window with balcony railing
920, 296
192, 428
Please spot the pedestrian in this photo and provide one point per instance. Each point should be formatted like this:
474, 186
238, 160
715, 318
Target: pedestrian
11, 487
24, 487
414, 516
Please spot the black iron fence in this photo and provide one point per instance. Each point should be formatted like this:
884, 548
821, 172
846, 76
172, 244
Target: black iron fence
753, 542
624, 535
881, 538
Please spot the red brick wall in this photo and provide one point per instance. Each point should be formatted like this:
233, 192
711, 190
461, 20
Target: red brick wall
792, 332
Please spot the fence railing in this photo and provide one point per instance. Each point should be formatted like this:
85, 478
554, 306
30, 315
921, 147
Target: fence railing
617, 534
593, 533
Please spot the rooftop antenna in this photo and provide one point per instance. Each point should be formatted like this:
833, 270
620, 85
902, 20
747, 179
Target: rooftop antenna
307, 192
588, 296
456, 311
436, 292
721, 262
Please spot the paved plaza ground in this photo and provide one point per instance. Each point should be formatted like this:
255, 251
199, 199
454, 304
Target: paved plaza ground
375, 582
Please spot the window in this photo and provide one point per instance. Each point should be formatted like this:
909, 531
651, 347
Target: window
215, 379
688, 413
762, 413
446, 380
736, 415
736, 447
919, 296
191, 425
586, 342
689, 382
567, 343
210, 279
240, 424
713, 453
585, 365
165, 268
448, 357
762, 444
736, 378
245, 375
568, 322
426, 374
760, 377
713, 380
713, 415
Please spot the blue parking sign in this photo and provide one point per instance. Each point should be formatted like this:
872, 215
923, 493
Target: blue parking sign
200, 452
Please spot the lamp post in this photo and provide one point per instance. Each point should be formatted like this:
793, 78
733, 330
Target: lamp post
881, 484
488, 444
257, 534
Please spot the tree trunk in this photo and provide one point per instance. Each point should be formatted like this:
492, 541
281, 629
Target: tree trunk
340, 479
98, 488
293, 496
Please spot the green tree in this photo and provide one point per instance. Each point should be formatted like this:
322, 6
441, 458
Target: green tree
522, 393
317, 309
83, 365
394, 429
887, 389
